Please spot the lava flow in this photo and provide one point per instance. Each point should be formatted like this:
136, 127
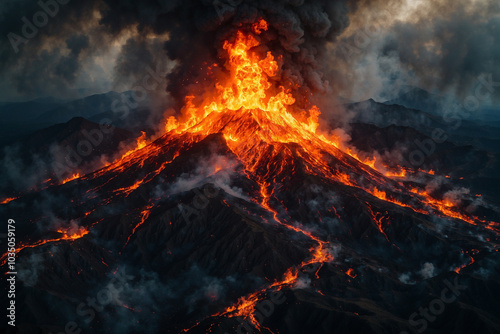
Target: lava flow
275, 140
66, 235
267, 131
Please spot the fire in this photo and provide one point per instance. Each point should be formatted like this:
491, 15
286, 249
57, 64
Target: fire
71, 178
260, 26
69, 234
400, 174
253, 113
141, 142
260, 120
430, 172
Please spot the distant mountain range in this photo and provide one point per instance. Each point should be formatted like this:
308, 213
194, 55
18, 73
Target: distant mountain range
417, 98
23, 118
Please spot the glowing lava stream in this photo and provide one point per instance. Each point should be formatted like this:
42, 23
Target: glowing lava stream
144, 215
66, 235
8, 200
245, 306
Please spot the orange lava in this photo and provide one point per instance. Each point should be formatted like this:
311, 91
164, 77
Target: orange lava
144, 215
71, 178
350, 273
400, 174
141, 142
8, 200
67, 235
377, 218
465, 265
260, 121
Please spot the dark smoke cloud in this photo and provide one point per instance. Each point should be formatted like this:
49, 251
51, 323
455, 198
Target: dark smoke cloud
450, 50
49, 56
440, 45
190, 33
298, 32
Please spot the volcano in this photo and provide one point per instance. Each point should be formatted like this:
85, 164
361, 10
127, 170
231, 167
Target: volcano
247, 216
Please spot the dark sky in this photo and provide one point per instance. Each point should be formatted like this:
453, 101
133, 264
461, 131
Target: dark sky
351, 48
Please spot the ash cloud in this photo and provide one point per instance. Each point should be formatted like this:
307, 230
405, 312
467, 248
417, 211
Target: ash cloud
440, 45
355, 48
188, 34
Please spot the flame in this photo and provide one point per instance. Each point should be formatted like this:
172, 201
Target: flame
71, 178
401, 174
260, 26
71, 234
430, 172
260, 120
141, 142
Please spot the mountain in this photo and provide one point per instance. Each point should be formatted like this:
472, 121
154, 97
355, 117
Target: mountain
58, 152
85, 107
420, 99
461, 131
208, 237
23, 118
241, 216
417, 98
23, 111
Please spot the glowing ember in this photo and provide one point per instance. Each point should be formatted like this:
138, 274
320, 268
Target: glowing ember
350, 273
